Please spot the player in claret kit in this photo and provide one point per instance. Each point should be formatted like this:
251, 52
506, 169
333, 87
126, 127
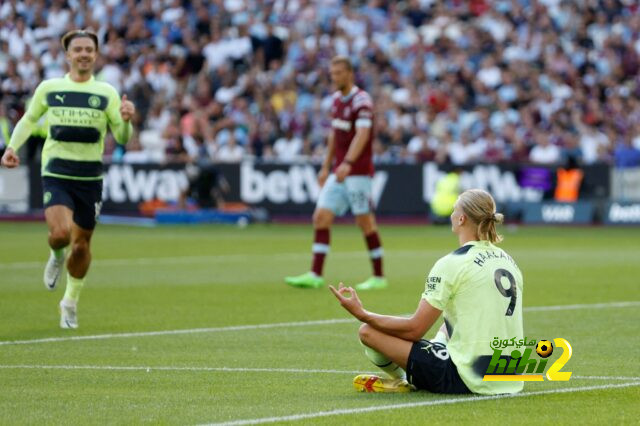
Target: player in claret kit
350, 157
78, 109
477, 288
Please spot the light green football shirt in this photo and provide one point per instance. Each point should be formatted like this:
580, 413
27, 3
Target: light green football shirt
77, 116
479, 289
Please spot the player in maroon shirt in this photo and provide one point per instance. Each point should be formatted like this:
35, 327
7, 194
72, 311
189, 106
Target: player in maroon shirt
349, 151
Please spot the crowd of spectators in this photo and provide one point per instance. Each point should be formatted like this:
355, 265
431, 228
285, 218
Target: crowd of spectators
459, 81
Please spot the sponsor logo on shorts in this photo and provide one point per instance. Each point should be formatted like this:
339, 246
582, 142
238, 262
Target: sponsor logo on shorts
436, 349
98, 207
46, 197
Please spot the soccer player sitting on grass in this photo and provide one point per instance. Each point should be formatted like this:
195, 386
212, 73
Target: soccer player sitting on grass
478, 287
78, 109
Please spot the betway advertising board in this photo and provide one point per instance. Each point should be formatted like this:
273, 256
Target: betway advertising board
293, 188
622, 214
396, 189
558, 213
402, 189
126, 186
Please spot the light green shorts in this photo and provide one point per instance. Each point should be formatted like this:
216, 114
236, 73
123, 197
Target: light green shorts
354, 192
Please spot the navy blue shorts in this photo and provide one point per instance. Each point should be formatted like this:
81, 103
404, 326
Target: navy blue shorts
430, 368
83, 197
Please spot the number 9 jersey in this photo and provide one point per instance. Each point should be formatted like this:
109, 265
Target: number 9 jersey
479, 289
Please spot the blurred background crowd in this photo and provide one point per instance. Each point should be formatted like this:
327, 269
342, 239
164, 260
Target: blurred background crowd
458, 81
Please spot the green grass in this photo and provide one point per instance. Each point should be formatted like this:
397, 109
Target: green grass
178, 278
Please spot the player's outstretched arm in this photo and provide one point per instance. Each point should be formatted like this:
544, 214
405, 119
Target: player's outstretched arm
412, 328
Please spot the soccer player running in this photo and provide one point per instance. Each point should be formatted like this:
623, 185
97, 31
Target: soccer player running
479, 289
349, 185
78, 109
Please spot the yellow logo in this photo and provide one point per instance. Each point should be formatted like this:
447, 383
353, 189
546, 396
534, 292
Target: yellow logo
544, 348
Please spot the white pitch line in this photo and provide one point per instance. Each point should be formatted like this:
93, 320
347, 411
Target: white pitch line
183, 331
241, 257
179, 260
582, 306
374, 408
280, 325
605, 378
169, 368
150, 368
161, 260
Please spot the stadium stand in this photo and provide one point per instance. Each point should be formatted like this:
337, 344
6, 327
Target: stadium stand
459, 81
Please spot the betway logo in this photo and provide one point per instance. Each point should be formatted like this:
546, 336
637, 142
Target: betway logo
123, 184
624, 214
296, 184
501, 184
561, 214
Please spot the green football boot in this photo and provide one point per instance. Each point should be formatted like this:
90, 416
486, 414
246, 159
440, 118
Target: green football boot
306, 280
373, 283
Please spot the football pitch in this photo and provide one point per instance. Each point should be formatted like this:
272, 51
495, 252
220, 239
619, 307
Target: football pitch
194, 325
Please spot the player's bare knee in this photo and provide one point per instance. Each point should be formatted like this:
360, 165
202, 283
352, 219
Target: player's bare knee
366, 224
364, 333
59, 236
367, 229
80, 249
321, 220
